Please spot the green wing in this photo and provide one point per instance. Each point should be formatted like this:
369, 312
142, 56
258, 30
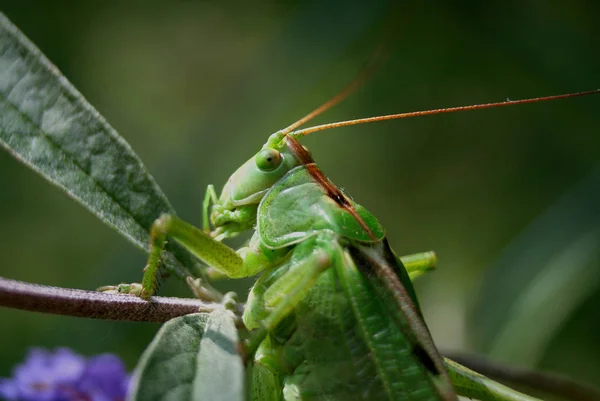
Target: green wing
352, 341
372, 271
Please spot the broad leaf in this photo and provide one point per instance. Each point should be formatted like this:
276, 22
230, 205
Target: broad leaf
48, 125
192, 357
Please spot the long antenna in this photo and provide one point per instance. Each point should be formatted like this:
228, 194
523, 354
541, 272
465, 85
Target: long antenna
323, 127
365, 73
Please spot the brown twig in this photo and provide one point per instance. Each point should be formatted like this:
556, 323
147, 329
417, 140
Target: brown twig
96, 305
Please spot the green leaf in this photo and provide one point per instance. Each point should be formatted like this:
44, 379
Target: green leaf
48, 125
220, 370
192, 357
473, 385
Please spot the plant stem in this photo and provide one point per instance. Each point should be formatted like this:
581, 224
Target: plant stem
96, 305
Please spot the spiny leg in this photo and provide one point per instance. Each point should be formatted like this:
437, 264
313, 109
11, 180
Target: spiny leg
216, 254
194, 239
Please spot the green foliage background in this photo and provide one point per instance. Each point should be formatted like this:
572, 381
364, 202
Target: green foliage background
196, 88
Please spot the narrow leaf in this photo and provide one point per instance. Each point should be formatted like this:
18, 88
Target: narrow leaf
470, 384
192, 357
48, 125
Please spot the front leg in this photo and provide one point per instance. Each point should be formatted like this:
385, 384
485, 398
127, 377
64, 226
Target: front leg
194, 240
245, 262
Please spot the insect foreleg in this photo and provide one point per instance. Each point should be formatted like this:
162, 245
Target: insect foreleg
195, 240
243, 263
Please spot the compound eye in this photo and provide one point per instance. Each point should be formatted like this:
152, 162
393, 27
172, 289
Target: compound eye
268, 159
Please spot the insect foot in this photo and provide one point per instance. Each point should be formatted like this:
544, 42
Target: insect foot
123, 288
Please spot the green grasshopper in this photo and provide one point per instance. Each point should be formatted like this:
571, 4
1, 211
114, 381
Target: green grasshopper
334, 313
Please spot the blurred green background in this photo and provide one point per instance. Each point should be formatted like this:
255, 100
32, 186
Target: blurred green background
509, 198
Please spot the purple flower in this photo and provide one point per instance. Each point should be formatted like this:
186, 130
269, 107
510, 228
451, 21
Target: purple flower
104, 378
65, 376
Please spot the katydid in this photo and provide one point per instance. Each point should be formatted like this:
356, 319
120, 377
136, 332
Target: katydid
334, 314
